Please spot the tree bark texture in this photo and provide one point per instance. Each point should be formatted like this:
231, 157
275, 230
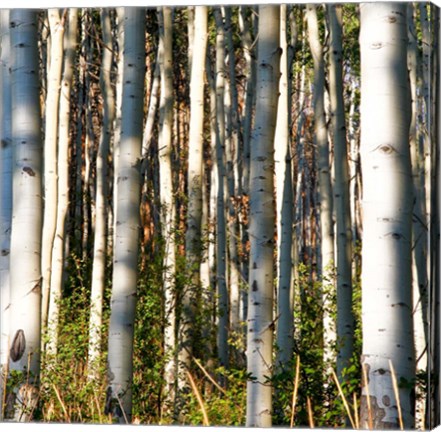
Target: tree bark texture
25, 257
125, 260
261, 228
387, 216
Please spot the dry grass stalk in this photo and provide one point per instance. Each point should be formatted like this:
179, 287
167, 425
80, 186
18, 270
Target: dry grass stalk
122, 408
345, 402
63, 407
357, 420
209, 376
397, 394
294, 393
5, 374
310, 414
368, 396
100, 418
199, 398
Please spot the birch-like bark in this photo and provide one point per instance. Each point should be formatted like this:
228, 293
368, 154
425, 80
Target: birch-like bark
324, 181
261, 231
284, 211
56, 24
168, 207
125, 260
387, 216
345, 320
5, 196
100, 240
58, 252
234, 174
25, 257
221, 232
419, 228
195, 171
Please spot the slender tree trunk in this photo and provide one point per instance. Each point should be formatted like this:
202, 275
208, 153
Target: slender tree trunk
325, 259
284, 207
387, 216
434, 338
58, 253
168, 207
5, 196
25, 257
419, 230
261, 278
221, 233
56, 24
234, 174
100, 241
345, 320
194, 213
125, 260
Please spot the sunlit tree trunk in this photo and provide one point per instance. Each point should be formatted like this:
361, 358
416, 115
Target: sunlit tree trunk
49, 318
194, 212
345, 320
284, 207
387, 216
125, 260
25, 257
168, 207
261, 231
419, 229
58, 253
5, 195
100, 241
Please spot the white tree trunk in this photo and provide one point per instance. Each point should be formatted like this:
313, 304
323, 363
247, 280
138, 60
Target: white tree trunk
168, 207
58, 255
419, 229
326, 257
387, 216
125, 260
345, 320
5, 196
100, 241
25, 257
221, 233
49, 319
284, 211
195, 171
261, 228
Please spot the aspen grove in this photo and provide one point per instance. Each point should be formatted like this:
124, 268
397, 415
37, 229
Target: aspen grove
221, 215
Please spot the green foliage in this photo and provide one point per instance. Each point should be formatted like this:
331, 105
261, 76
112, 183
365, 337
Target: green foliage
66, 393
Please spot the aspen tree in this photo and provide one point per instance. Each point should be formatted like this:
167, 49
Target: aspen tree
5, 196
168, 207
324, 179
234, 173
345, 320
58, 252
195, 171
433, 413
125, 260
100, 241
387, 217
284, 207
25, 257
261, 228
56, 24
419, 228
221, 233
